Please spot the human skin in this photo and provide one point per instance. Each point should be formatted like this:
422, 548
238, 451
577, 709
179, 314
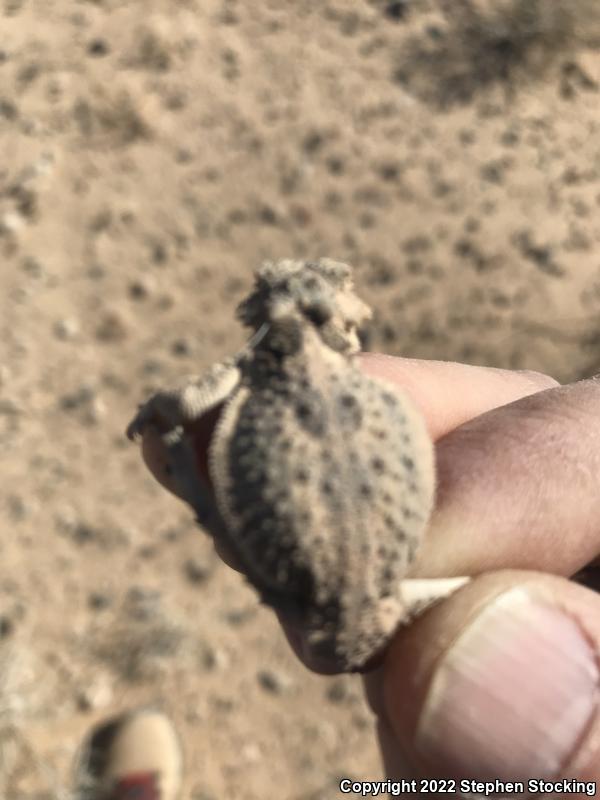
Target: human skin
501, 679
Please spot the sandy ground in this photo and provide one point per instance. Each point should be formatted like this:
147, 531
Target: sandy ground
151, 155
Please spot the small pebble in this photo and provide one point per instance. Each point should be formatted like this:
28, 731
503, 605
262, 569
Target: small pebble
65, 518
194, 717
96, 272
98, 695
96, 411
83, 533
362, 722
66, 329
111, 328
337, 691
397, 9
33, 267
78, 398
99, 601
18, 508
141, 288
147, 552
11, 222
9, 408
224, 705
273, 682
98, 48
213, 658
142, 603
197, 571
239, 616
181, 347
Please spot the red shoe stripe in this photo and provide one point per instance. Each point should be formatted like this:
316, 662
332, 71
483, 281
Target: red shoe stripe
137, 786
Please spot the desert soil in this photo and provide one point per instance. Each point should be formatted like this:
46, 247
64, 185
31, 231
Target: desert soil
152, 154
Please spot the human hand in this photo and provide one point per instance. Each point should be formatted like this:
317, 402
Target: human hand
511, 482
500, 680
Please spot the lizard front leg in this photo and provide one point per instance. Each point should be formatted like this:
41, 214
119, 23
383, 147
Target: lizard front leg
168, 411
183, 419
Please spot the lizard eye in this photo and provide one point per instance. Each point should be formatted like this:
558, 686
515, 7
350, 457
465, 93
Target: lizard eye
319, 312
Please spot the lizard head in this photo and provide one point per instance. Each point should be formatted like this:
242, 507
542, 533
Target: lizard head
319, 292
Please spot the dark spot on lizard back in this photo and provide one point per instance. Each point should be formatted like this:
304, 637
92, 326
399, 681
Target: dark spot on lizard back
390, 399
310, 413
350, 413
378, 465
408, 463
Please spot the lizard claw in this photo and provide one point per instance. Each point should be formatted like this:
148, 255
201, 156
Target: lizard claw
137, 426
134, 430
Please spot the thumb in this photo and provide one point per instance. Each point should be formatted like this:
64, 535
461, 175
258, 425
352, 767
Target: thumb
499, 682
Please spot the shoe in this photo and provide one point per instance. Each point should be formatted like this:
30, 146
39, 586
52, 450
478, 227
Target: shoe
134, 756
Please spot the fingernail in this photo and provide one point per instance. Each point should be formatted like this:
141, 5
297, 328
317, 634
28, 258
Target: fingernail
513, 695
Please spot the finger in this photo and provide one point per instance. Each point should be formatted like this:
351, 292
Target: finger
518, 487
447, 393
499, 681
156, 459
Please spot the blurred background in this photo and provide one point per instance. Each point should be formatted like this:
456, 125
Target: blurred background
152, 154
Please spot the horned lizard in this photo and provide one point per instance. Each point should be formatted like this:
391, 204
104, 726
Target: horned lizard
318, 478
